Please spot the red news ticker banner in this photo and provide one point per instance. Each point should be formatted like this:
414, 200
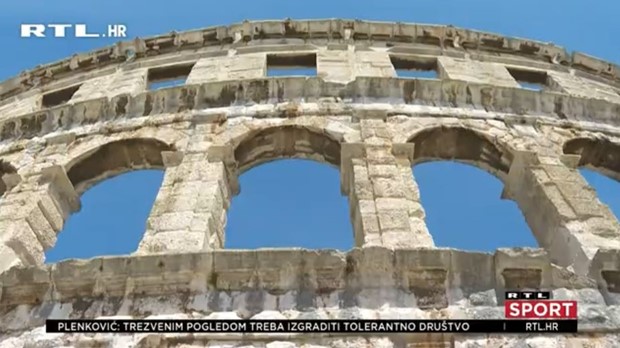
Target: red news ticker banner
537, 305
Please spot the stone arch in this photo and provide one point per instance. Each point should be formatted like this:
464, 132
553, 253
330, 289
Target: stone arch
462, 145
486, 155
114, 158
287, 141
94, 161
5, 168
602, 155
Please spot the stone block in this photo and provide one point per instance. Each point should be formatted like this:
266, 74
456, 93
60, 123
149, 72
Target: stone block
476, 72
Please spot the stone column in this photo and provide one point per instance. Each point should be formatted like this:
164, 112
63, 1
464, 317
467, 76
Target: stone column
563, 211
32, 212
384, 198
189, 213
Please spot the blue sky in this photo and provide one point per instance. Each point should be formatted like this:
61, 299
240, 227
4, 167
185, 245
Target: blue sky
296, 203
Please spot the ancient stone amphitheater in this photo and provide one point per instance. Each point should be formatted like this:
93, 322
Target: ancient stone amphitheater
68, 125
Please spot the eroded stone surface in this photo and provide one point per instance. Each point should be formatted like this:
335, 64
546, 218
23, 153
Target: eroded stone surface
68, 125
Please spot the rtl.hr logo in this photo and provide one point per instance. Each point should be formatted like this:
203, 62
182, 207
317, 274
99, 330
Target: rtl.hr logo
74, 30
537, 305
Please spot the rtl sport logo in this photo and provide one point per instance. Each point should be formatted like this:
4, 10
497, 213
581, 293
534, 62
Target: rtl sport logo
70, 30
537, 305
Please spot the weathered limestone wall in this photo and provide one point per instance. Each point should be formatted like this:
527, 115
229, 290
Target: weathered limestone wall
369, 283
70, 124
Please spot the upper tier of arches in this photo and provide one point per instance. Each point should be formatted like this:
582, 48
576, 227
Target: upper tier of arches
250, 34
228, 66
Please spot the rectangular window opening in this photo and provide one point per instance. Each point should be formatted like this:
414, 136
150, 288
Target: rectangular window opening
530, 79
415, 67
59, 97
168, 76
291, 65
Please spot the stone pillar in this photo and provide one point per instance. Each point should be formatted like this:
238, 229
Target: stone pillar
562, 210
32, 212
384, 198
189, 213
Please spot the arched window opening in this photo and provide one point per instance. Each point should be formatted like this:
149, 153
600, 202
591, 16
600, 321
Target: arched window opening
115, 158
112, 219
286, 200
464, 210
599, 164
289, 203
607, 189
460, 196
286, 142
118, 183
463, 145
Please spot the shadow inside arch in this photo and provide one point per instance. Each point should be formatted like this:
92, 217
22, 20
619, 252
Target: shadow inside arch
462, 144
114, 158
601, 155
287, 141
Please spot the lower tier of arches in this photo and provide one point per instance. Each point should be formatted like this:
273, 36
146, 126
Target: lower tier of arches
191, 206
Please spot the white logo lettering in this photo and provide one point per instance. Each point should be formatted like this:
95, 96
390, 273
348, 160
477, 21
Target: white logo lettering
70, 30
59, 29
32, 29
80, 31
